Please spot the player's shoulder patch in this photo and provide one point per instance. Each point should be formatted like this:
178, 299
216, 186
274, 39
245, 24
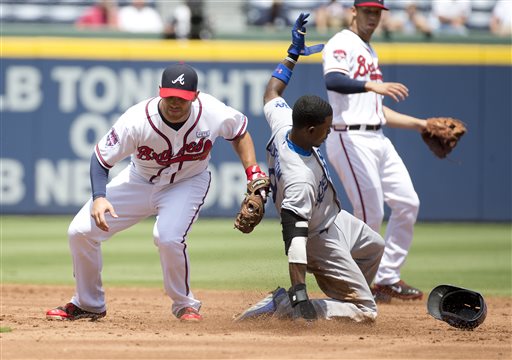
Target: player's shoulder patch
339, 54
112, 138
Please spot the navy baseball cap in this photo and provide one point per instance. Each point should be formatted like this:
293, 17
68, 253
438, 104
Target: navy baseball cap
370, 3
179, 80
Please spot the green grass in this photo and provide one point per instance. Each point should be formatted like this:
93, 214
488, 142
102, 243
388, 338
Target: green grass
35, 250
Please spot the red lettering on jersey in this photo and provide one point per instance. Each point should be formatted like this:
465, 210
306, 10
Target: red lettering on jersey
363, 69
189, 152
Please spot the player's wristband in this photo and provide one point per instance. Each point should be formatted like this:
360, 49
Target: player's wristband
252, 172
293, 57
99, 195
291, 60
282, 73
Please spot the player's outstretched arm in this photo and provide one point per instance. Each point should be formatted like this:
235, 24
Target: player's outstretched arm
283, 72
398, 120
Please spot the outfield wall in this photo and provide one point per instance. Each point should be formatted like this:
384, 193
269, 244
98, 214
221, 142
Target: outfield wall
59, 96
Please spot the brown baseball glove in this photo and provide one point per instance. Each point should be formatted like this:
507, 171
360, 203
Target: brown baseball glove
442, 135
252, 209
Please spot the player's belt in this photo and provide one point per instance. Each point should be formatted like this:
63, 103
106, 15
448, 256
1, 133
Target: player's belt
357, 127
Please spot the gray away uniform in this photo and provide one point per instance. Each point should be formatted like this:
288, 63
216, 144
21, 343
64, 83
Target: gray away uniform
343, 253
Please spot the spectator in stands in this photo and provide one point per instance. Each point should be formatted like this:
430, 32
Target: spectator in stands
277, 14
501, 18
188, 22
200, 23
103, 14
409, 21
450, 16
140, 17
332, 16
179, 24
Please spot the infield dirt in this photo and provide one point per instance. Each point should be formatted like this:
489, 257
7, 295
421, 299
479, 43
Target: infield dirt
139, 326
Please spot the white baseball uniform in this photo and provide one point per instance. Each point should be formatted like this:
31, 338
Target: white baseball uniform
366, 161
168, 177
342, 252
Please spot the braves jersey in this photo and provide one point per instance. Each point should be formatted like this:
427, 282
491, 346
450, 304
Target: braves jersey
347, 53
161, 154
300, 181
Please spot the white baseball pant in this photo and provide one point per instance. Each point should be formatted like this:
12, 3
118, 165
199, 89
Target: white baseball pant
176, 207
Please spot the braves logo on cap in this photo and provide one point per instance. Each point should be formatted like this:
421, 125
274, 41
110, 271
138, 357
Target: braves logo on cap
180, 79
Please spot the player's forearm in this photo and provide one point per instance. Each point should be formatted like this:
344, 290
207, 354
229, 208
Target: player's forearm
402, 121
99, 178
244, 147
343, 84
280, 77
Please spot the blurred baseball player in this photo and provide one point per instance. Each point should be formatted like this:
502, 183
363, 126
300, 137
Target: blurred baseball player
367, 163
341, 251
169, 138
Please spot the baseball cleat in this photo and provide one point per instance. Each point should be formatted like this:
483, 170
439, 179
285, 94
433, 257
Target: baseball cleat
399, 290
266, 307
189, 314
72, 312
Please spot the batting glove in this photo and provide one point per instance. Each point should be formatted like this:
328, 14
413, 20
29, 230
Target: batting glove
254, 172
298, 46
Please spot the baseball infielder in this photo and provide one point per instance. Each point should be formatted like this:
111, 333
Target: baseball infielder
341, 251
169, 138
367, 163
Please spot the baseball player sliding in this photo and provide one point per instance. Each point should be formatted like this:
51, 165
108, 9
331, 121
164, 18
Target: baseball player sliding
169, 138
367, 163
341, 251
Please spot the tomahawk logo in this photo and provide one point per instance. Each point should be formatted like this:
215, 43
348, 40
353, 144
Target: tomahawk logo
180, 79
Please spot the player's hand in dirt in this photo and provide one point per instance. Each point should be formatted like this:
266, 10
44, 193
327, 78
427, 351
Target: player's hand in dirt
100, 207
395, 90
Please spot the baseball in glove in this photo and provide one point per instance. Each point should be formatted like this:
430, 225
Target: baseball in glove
252, 209
442, 135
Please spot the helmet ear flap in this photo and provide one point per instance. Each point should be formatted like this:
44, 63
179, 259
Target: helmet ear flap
460, 308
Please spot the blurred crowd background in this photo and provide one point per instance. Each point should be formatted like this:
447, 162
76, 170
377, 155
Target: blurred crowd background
201, 19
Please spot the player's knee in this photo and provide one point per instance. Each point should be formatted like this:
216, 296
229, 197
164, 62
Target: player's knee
411, 208
407, 208
168, 241
416, 205
376, 243
81, 240
378, 246
371, 214
74, 232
